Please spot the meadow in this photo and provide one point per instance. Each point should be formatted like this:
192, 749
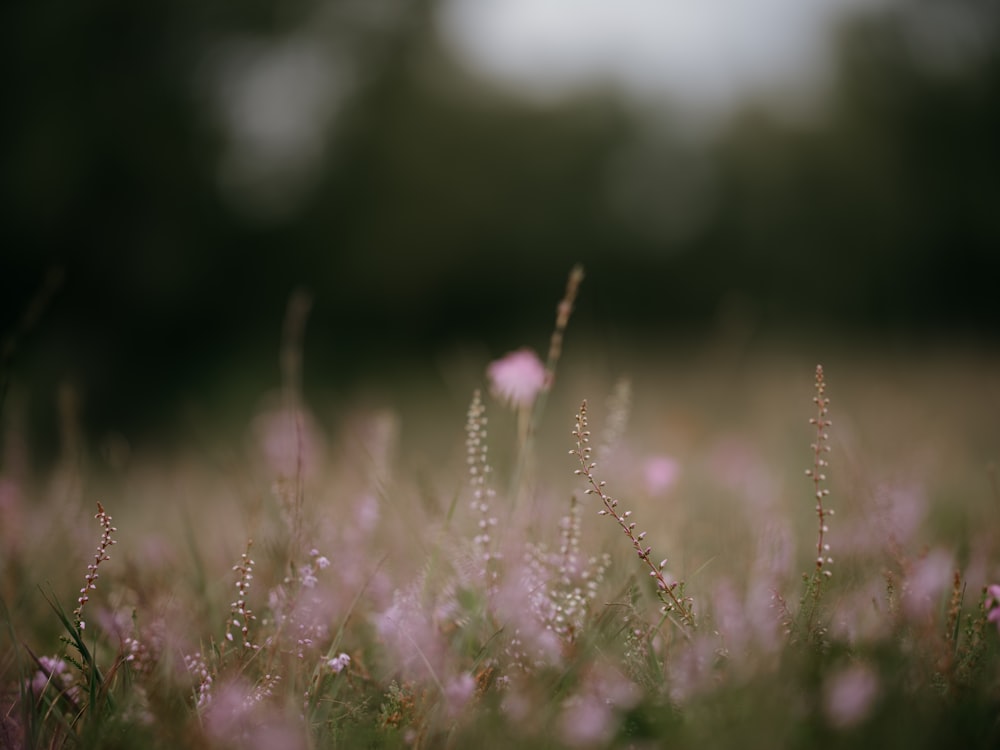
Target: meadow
646, 549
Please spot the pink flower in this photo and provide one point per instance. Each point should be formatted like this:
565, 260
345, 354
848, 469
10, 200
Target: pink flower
850, 695
517, 378
587, 720
993, 604
660, 472
458, 692
52, 670
339, 663
928, 579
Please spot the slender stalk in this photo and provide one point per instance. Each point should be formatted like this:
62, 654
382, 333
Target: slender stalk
666, 592
563, 311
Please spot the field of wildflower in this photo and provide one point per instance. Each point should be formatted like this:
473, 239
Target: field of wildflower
566, 549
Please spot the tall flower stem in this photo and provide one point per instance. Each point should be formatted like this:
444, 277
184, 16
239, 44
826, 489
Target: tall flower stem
669, 593
533, 419
821, 571
820, 448
90, 581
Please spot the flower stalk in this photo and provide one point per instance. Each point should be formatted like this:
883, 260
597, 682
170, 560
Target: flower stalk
670, 593
820, 448
90, 581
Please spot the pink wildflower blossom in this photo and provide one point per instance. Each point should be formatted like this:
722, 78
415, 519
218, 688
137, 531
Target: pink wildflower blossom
55, 671
339, 663
928, 579
660, 473
587, 720
517, 378
458, 692
850, 695
993, 604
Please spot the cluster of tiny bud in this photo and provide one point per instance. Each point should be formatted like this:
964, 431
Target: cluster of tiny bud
638, 651
198, 668
669, 593
339, 663
518, 659
820, 448
241, 615
579, 577
90, 581
295, 606
563, 584
143, 655
300, 614
307, 573
262, 690
482, 492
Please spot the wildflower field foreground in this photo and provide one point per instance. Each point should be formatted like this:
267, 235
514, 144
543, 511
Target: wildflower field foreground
632, 552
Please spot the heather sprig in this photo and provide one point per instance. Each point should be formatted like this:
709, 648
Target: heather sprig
483, 493
240, 615
90, 580
90, 697
204, 669
670, 593
820, 448
199, 669
564, 583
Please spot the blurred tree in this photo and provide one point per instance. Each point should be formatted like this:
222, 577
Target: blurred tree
191, 164
882, 213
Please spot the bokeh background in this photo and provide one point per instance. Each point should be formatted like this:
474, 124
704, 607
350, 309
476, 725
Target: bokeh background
813, 173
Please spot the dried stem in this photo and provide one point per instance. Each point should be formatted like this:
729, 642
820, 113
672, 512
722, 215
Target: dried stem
668, 593
291, 372
563, 311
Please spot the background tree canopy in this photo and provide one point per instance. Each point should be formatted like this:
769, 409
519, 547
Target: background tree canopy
187, 165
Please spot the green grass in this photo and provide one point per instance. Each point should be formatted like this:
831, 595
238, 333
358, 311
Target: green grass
568, 646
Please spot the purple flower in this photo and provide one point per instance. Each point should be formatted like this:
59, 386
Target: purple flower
660, 473
339, 663
517, 378
993, 604
850, 695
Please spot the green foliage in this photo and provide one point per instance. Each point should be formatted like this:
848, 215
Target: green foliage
377, 619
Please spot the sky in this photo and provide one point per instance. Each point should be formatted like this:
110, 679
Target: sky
279, 99
707, 55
